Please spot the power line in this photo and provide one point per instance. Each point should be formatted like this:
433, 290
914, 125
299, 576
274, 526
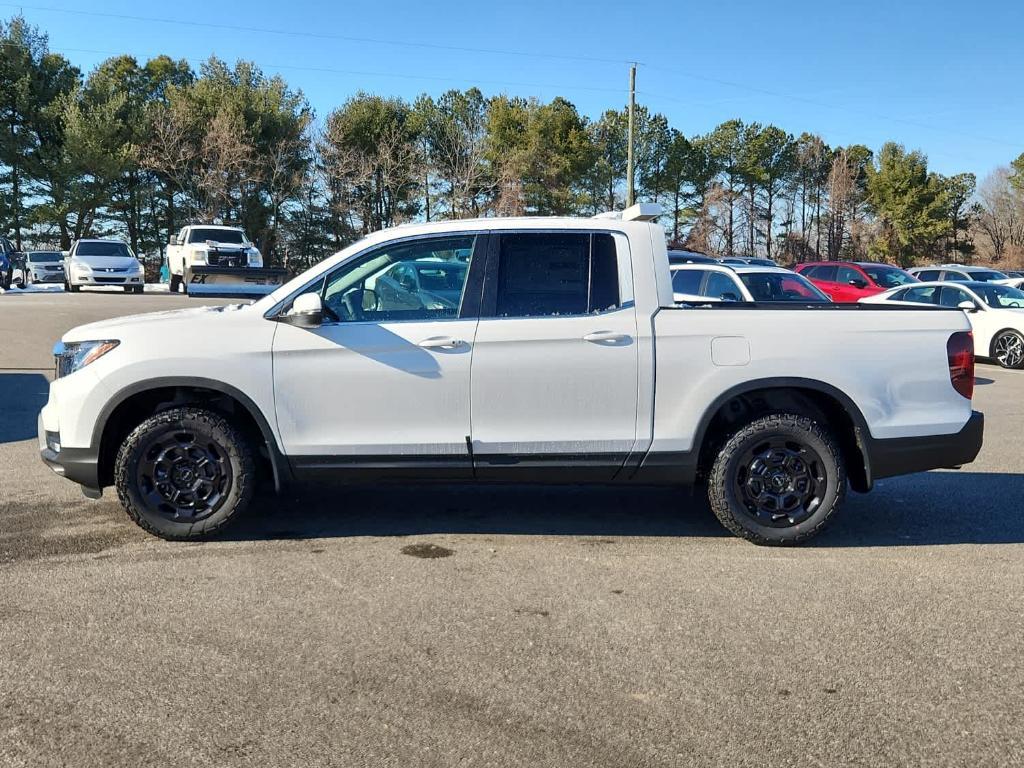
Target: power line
315, 35
823, 105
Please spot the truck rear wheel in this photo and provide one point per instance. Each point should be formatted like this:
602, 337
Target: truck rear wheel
778, 480
185, 473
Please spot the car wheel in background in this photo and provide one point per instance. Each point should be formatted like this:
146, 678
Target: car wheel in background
185, 473
778, 480
1008, 349
74, 288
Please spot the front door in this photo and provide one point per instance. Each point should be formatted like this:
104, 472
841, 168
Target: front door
555, 373
383, 383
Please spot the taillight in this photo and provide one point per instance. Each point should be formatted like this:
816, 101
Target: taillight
960, 352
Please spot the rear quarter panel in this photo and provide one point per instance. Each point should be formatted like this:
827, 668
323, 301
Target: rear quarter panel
891, 364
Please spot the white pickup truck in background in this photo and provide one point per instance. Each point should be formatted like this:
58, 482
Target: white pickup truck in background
214, 260
525, 350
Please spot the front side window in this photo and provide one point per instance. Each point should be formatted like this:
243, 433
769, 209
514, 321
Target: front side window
956, 277
849, 276
1001, 296
723, 287
952, 297
986, 275
924, 295
543, 274
413, 280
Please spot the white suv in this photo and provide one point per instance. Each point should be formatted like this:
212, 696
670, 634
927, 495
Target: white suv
102, 262
958, 273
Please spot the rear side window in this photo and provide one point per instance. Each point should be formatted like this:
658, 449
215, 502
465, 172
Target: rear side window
687, 280
956, 277
542, 274
826, 273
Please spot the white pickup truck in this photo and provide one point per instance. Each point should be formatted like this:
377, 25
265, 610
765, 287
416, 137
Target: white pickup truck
214, 260
533, 350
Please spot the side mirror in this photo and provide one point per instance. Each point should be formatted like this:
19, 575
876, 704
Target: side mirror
730, 296
173, 240
859, 282
307, 312
967, 306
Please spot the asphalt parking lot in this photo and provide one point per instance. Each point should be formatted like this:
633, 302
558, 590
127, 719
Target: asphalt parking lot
568, 627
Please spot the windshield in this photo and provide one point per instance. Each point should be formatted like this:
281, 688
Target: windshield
442, 276
776, 286
1001, 296
888, 277
43, 257
986, 275
102, 248
202, 234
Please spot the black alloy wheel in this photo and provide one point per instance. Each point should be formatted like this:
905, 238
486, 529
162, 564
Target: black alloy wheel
1008, 349
778, 479
185, 473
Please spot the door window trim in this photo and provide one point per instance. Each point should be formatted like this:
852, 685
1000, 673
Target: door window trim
489, 294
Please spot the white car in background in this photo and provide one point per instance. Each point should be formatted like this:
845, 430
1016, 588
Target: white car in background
102, 263
995, 311
959, 273
43, 267
702, 283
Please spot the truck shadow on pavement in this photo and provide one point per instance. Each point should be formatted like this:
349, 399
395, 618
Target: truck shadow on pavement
934, 508
22, 396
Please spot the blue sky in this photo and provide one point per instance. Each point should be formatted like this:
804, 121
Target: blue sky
943, 77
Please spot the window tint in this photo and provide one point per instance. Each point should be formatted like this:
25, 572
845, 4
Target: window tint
951, 297
779, 286
845, 275
722, 286
102, 248
921, 295
823, 272
202, 234
928, 275
956, 277
541, 274
888, 277
383, 285
986, 275
687, 280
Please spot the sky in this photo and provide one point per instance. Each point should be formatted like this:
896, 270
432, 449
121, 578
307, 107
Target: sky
940, 76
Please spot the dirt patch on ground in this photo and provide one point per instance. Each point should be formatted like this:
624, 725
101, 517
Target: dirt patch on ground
32, 530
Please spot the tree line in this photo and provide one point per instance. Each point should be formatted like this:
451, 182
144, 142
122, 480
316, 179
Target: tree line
137, 150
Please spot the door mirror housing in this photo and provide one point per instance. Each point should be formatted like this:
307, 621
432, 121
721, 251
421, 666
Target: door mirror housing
307, 311
173, 240
730, 296
859, 282
967, 306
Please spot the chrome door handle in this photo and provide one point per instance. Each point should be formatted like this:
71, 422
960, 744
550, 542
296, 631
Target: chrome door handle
599, 336
442, 342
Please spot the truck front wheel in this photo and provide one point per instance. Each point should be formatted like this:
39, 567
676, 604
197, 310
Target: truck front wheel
778, 480
175, 283
185, 473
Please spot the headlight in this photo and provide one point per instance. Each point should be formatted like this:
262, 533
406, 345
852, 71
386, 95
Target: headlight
136, 267
254, 257
199, 255
79, 266
75, 355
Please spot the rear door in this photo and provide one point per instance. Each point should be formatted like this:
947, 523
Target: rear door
824, 276
555, 376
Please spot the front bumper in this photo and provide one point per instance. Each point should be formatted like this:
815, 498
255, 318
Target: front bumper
905, 455
47, 277
107, 279
80, 465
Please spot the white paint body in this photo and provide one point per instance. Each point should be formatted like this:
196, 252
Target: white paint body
184, 254
83, 270
636, 378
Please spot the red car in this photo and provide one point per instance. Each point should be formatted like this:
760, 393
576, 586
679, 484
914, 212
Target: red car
851, 281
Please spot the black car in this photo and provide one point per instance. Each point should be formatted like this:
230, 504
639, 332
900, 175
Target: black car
7, 258
690, 257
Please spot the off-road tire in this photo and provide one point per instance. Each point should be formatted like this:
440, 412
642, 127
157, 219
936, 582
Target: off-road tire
211, 426
724, 493
175, 283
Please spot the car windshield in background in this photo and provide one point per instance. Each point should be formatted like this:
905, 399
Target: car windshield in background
442, 276
201, 235
986, 275
889, 277
102, 248
1001, 296
44, 257
775, 286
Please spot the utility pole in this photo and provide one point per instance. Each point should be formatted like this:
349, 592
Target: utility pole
630, 193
